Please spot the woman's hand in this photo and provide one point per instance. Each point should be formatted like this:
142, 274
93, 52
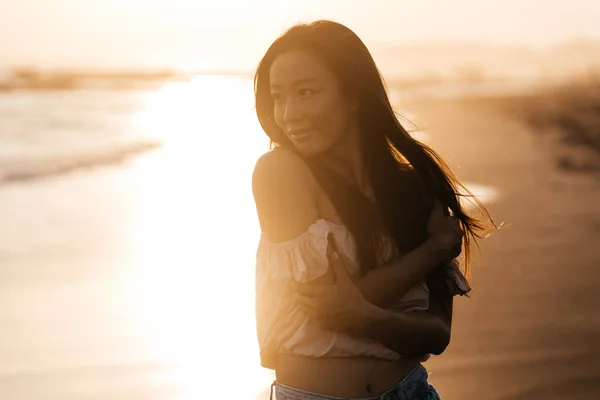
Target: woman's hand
445, 233
339, 306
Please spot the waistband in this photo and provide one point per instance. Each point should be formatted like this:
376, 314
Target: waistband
414, 383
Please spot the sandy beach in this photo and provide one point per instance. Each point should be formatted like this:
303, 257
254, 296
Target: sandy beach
532, 328
132, 281
128, 139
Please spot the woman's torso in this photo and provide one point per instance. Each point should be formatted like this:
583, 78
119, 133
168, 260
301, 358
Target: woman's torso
341, 377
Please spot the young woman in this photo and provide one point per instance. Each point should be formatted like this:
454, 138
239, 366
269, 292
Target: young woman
361, 225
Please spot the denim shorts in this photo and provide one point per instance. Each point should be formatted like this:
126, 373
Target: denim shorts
413, 387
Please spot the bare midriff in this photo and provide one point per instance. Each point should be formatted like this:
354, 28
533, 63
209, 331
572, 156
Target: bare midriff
351, 377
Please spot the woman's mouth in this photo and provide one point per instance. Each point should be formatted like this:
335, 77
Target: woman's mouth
300, 135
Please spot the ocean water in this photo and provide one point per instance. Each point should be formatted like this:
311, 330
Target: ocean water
127, 243
126, 275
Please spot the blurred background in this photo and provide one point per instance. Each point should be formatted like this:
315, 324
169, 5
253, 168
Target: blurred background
128, 230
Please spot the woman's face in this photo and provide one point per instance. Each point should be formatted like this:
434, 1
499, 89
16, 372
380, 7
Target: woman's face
308, 103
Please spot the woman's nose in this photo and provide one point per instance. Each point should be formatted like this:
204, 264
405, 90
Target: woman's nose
293, 111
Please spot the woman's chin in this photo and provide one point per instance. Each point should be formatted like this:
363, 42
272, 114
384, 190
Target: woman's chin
307, 149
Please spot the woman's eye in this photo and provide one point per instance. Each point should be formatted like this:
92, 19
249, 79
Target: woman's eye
305, 92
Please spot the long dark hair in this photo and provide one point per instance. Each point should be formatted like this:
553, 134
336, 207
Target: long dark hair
406, 175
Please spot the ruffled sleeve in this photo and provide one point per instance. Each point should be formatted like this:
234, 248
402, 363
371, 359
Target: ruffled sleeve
456, 282
303, 258
278, 265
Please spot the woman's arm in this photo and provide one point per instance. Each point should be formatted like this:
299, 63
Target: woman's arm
413, 333
441, 301
382, 286
410, 334
342, 307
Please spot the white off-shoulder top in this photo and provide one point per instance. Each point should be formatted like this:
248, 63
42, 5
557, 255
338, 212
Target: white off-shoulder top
282, 327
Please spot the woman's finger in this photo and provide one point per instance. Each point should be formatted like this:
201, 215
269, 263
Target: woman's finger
312, 291
307, 310
338, 267
306, 302
305, 289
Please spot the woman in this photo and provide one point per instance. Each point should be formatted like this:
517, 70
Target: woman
355, 267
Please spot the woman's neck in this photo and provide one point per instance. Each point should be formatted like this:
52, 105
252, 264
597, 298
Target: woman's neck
345, 158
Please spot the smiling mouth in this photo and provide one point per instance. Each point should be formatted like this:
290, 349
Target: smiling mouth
300, 134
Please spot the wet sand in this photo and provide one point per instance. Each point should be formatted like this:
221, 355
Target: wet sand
532, 328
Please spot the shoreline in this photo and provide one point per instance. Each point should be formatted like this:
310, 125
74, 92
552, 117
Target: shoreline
65, 164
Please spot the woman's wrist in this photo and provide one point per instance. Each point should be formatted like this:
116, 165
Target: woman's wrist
371, 316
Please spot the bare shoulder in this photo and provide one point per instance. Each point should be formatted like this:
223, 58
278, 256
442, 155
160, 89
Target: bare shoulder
280, 161
285, 194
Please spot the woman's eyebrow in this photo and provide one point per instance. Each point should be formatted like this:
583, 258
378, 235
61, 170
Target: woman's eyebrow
296, 82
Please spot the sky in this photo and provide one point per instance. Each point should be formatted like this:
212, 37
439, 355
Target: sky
233, 34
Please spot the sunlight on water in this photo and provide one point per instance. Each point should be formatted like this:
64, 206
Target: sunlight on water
485, 193
197, 235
